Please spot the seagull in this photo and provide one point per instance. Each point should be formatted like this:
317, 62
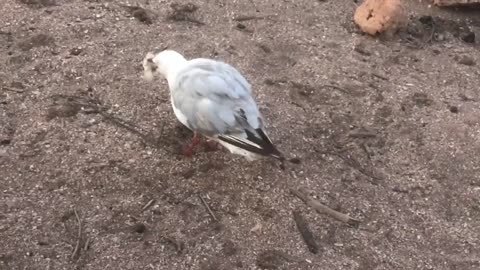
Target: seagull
213, 99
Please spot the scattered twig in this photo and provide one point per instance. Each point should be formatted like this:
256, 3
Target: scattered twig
298, 105
336, 87
353, 163
270, 81
362, 133
305, 232
323, 209
141, 14
310, 89
11, 89
343, 90
178, 18
90, 105
147, 138
356, 165
432, 34
87, 244
87, 105
365, 150
429, 22
182, 12
128, 126
178, 243
148, 205
185, 8
76, 251
380, 76
242, 18
208, 208
243, 27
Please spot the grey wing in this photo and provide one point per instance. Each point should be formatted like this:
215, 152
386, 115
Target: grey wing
217, 101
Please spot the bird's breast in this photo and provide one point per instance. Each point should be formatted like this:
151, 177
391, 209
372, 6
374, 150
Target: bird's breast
180, 116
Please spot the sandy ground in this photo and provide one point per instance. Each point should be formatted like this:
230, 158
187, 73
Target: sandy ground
387, 131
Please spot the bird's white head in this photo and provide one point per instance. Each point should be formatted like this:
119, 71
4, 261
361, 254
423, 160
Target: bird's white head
163, 63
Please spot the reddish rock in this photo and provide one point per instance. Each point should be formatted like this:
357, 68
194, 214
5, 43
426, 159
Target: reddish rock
378, 16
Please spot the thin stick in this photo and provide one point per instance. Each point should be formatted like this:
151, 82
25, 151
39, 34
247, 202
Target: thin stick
79, 237
305, 232
208, 208
356, 165
87, 244
323, 209
343, 90
432, 34
11, 89
149, 203
362, 134
242, 18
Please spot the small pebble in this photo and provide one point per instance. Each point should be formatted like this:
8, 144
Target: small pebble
139, 228
466, 60
453, 109
469, 37
361, 48
76, 51
241, 26
295, 160
5, 141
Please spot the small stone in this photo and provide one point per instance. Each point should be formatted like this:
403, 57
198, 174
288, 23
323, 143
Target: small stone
142, 15
427, 20
5, 141
469, 37
76, 51
16, 84
189, 173
295, 160
465, 60
139, 228
453, 109
241, 26
361, 48
42, 243
269, 81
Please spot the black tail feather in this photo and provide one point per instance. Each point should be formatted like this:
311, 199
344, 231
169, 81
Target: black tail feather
265, 146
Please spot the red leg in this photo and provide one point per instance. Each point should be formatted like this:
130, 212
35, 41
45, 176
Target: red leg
188, 149
212, 145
